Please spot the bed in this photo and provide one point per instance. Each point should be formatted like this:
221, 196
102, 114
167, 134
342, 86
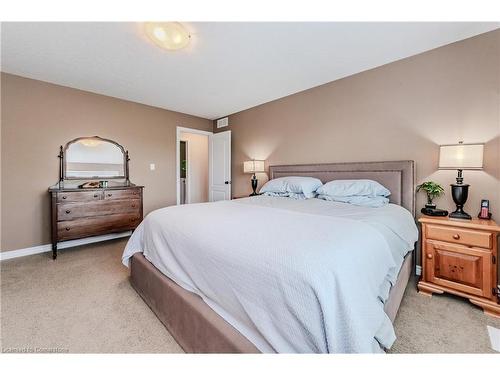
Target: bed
245, 276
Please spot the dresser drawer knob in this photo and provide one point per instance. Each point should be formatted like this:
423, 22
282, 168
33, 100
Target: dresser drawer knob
63, 197
429, 256
133, 206
68, 228
68, 211
109, 195
456, 236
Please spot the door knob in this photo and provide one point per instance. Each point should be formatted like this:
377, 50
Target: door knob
429, 256
227, 182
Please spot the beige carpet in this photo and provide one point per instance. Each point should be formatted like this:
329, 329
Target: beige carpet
83, 303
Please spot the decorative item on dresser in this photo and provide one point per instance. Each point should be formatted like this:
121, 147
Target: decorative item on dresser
98, 205
460, 257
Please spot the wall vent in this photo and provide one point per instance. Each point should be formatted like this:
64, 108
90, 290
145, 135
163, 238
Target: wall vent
222, 123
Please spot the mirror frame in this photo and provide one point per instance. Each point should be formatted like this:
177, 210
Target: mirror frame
63, 167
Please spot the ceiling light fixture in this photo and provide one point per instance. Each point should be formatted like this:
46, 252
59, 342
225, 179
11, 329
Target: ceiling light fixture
167, 35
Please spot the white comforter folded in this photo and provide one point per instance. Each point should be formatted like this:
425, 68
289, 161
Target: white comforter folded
291, 277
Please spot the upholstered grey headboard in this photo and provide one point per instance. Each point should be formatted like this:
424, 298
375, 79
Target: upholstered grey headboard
397, 176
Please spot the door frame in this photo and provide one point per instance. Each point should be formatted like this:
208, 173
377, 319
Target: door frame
178, 131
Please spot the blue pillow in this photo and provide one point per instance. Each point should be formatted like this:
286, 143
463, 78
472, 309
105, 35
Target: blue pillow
349, 188
293, 184
358, 200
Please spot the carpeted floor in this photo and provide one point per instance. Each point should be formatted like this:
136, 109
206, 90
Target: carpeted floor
83, 303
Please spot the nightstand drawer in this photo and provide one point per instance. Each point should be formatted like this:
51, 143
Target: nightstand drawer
459, 236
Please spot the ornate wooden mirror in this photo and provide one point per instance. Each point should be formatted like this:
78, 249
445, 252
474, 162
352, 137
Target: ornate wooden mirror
93, 158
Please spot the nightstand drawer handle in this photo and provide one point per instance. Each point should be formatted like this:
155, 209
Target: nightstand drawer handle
429, 256
96, 195
68, 211
68, 228
456, 236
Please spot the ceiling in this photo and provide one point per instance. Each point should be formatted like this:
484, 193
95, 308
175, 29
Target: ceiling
228, 67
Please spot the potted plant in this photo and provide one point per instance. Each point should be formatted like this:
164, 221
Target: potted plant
433, 190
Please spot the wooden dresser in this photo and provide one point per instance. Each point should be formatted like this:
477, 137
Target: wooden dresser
460, 257
80, 213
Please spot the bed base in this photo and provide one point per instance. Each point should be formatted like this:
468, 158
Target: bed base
199, 329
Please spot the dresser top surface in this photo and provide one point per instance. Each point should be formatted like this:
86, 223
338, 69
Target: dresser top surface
56, 188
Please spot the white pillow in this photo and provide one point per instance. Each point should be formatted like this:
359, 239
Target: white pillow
358, 200
347, 188
292, 184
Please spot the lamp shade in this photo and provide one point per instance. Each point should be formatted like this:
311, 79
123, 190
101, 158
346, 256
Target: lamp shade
253, 166
461, 156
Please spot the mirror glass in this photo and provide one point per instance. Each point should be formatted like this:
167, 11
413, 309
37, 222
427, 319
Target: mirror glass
94, 157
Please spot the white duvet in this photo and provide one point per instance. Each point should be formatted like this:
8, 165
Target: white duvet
292, 276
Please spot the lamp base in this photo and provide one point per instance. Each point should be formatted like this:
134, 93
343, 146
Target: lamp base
254, 185
460, 215
460, 192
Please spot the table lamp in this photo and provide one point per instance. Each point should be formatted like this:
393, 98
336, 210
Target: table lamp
253, 166
461, 157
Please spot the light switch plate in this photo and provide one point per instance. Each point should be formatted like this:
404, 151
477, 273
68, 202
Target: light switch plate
152, 166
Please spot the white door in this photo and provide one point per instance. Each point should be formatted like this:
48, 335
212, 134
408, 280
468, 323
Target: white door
220, 167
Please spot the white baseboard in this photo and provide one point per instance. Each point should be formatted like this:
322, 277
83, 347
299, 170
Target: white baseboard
418, 270
61, 245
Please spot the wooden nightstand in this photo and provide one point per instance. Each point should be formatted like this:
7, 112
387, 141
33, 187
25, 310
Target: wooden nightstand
460, 257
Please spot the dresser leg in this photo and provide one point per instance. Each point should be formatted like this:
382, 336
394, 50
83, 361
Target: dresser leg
54, 251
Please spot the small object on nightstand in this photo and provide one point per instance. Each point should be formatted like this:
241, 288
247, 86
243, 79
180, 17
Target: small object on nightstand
253, 166
460, 257
485, 213
434, 212
433, 190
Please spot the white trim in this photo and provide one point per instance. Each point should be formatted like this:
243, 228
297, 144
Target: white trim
61, 245
178, 131
418, 270
187, 182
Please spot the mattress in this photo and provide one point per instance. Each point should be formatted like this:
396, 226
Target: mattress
291, 276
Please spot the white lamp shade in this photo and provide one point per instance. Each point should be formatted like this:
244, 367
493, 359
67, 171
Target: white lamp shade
253, 166
461, 156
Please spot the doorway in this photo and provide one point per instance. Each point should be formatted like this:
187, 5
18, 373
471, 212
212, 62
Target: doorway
192, 165
183, 170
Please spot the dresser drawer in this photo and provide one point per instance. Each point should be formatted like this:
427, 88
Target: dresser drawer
122, 194
71, 211
79, 196
67, 230
459, 236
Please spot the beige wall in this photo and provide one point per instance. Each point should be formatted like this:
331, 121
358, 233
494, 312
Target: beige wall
400, 111
37, 117
197, 169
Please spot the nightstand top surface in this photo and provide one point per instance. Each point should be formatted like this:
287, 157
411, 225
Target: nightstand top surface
475, 223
